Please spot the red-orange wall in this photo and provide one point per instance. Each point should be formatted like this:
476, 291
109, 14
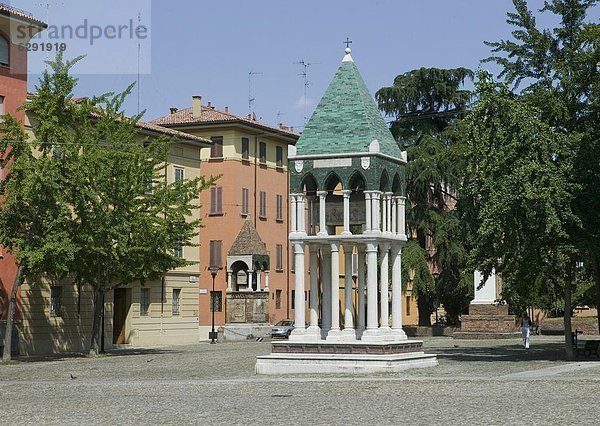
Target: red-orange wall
13, 86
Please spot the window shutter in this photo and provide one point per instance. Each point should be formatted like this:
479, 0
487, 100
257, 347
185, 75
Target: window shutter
219, 200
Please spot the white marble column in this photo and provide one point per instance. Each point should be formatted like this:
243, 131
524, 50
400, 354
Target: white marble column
369, 221
266, 280
348, 333
250, 273
326, 282
293, 211
334, 332
301, 215
313, 330
376, 210
361, 324
258, 279
229, 281
397, 330
299, 308
390, 212
346, 193
312, 224
384, 288
322, 224
372, 330
401, 217
394, 212
384, 212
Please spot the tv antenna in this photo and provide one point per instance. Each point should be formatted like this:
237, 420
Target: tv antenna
304, 74
250, 98
139, 54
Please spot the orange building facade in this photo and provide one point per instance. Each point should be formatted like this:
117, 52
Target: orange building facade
253, 282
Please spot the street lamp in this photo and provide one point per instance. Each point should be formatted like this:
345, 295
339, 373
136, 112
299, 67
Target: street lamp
213, 335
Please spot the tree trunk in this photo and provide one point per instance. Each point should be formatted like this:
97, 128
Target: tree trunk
569, 351
98, 302
596, 275
423, 306
6, 355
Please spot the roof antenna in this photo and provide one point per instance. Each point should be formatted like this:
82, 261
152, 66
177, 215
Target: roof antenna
250, 98
139, 54
304, 74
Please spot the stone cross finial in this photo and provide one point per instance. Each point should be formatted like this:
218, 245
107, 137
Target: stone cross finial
348, 42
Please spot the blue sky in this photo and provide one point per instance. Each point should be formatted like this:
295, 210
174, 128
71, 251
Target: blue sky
208, 47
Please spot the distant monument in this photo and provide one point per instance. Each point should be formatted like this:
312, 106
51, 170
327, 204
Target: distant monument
347, 195
486, 319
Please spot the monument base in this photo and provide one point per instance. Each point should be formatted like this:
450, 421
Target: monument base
487, 322
343, 357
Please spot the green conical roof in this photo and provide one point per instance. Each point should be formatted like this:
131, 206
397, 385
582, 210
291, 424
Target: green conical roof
346, 119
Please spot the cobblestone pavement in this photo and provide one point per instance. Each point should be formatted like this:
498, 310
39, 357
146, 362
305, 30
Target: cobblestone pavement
477, 382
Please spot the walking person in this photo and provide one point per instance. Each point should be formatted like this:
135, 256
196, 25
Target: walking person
525, 327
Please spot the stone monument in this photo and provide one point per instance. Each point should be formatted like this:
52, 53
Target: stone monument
347, 194
487, 319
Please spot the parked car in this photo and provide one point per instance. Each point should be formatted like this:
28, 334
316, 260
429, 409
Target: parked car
283, 329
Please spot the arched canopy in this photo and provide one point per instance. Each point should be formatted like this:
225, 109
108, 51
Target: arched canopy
357, 182
384, 182
239, 265
396, 185
309, 184
332, 181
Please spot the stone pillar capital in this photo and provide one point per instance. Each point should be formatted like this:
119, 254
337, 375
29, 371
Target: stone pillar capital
346, 192
384, 246
334, 246
322, 193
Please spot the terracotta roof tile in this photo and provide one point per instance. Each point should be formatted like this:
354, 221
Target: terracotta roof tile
210, 115
248, 242
7, 10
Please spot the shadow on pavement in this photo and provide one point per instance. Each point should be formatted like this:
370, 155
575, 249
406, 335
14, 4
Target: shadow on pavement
554, 351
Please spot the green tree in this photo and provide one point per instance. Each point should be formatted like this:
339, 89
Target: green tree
35, 219
426, 106
517, 202
121, 228
557, 71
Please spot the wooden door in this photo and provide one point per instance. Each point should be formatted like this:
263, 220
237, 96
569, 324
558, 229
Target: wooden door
120, 316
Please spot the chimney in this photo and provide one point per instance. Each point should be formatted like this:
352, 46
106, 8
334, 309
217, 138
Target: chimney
292, 129
173, 110
227, 109
196, 106
209, 104
253, 116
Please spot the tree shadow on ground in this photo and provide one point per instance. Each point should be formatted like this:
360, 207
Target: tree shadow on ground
554, 351
108, 354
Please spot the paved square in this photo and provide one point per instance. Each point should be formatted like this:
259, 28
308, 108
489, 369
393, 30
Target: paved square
477, 382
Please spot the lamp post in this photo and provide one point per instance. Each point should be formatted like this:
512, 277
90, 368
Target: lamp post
213, 335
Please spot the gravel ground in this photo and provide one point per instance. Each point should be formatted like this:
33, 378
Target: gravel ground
476, 382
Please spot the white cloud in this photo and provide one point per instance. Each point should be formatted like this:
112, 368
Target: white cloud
300, 103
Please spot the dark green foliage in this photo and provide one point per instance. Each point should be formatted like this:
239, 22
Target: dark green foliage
426, 106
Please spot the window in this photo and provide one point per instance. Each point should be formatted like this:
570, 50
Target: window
178, 244
407, 306
245, 194
175, 302
262, 212
293, 299
216, 301
55, 300
245, 149
216, 200
279, 257
215, 254
279, 156
279, 207
144, 301
2, 103
178, 174
277, 299
4, 49
216, 150
262, 152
